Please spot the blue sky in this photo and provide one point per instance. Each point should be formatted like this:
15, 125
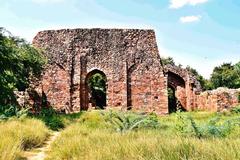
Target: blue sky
199, 33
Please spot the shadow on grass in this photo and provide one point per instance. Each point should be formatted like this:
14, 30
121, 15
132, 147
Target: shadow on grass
56, 121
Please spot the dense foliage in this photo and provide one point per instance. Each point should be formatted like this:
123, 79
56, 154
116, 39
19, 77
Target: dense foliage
226, 75
18, 62
167, 60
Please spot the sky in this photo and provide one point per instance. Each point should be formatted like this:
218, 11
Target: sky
199, 33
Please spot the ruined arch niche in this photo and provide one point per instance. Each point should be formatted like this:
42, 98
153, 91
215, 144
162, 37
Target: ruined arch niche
129, 85
95, 97
176, 92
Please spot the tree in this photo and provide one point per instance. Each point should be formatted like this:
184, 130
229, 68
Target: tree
237, 68
225, 75
18, 62
167, 60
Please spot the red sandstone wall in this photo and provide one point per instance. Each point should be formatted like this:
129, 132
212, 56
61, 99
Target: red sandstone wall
55, 83
148, 90
218, 100
185, 85
181, 96
131, 63
73, 54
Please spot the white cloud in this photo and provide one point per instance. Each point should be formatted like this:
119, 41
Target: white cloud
175, 4
189, 19
47, 1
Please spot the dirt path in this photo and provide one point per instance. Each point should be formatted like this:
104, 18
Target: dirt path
40, 153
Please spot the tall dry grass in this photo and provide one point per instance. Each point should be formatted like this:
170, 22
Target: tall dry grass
94, 139
17, 135
80, 142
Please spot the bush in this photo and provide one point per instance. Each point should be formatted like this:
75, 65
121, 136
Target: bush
53, 122
19, 63
127, 121
213, 128
120, 121
8, 111
236, 109
51, 119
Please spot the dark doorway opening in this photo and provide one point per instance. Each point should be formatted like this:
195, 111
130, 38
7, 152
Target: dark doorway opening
172, 100
176, 93
96, 87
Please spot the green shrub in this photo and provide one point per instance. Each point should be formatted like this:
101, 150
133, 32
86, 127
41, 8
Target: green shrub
150, 122
53, 122
213, 128
120, 121
51, 119
19, 62
8, 111
47, 112
56, 121
236, 109
127, 121
182, 124
198, 133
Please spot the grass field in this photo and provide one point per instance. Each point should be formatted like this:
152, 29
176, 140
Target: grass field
95, 137
111, 135
17, 135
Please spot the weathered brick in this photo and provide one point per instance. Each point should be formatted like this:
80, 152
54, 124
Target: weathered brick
129, 59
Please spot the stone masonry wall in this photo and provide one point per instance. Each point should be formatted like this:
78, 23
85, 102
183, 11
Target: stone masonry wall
129, 59
218, 100
185, 84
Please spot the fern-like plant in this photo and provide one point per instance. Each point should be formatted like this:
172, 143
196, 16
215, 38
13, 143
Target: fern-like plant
123, 121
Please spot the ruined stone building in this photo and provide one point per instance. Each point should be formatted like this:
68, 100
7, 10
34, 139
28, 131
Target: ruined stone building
129, 61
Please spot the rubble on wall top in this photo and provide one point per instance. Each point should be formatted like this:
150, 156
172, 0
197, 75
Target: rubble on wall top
222, 90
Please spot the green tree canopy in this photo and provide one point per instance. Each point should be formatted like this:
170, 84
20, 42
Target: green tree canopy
18, 61
97, 82
167, 60
226, 75
237, 69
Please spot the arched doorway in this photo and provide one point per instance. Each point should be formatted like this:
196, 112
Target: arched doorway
172, 100
96, 89
176, 93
